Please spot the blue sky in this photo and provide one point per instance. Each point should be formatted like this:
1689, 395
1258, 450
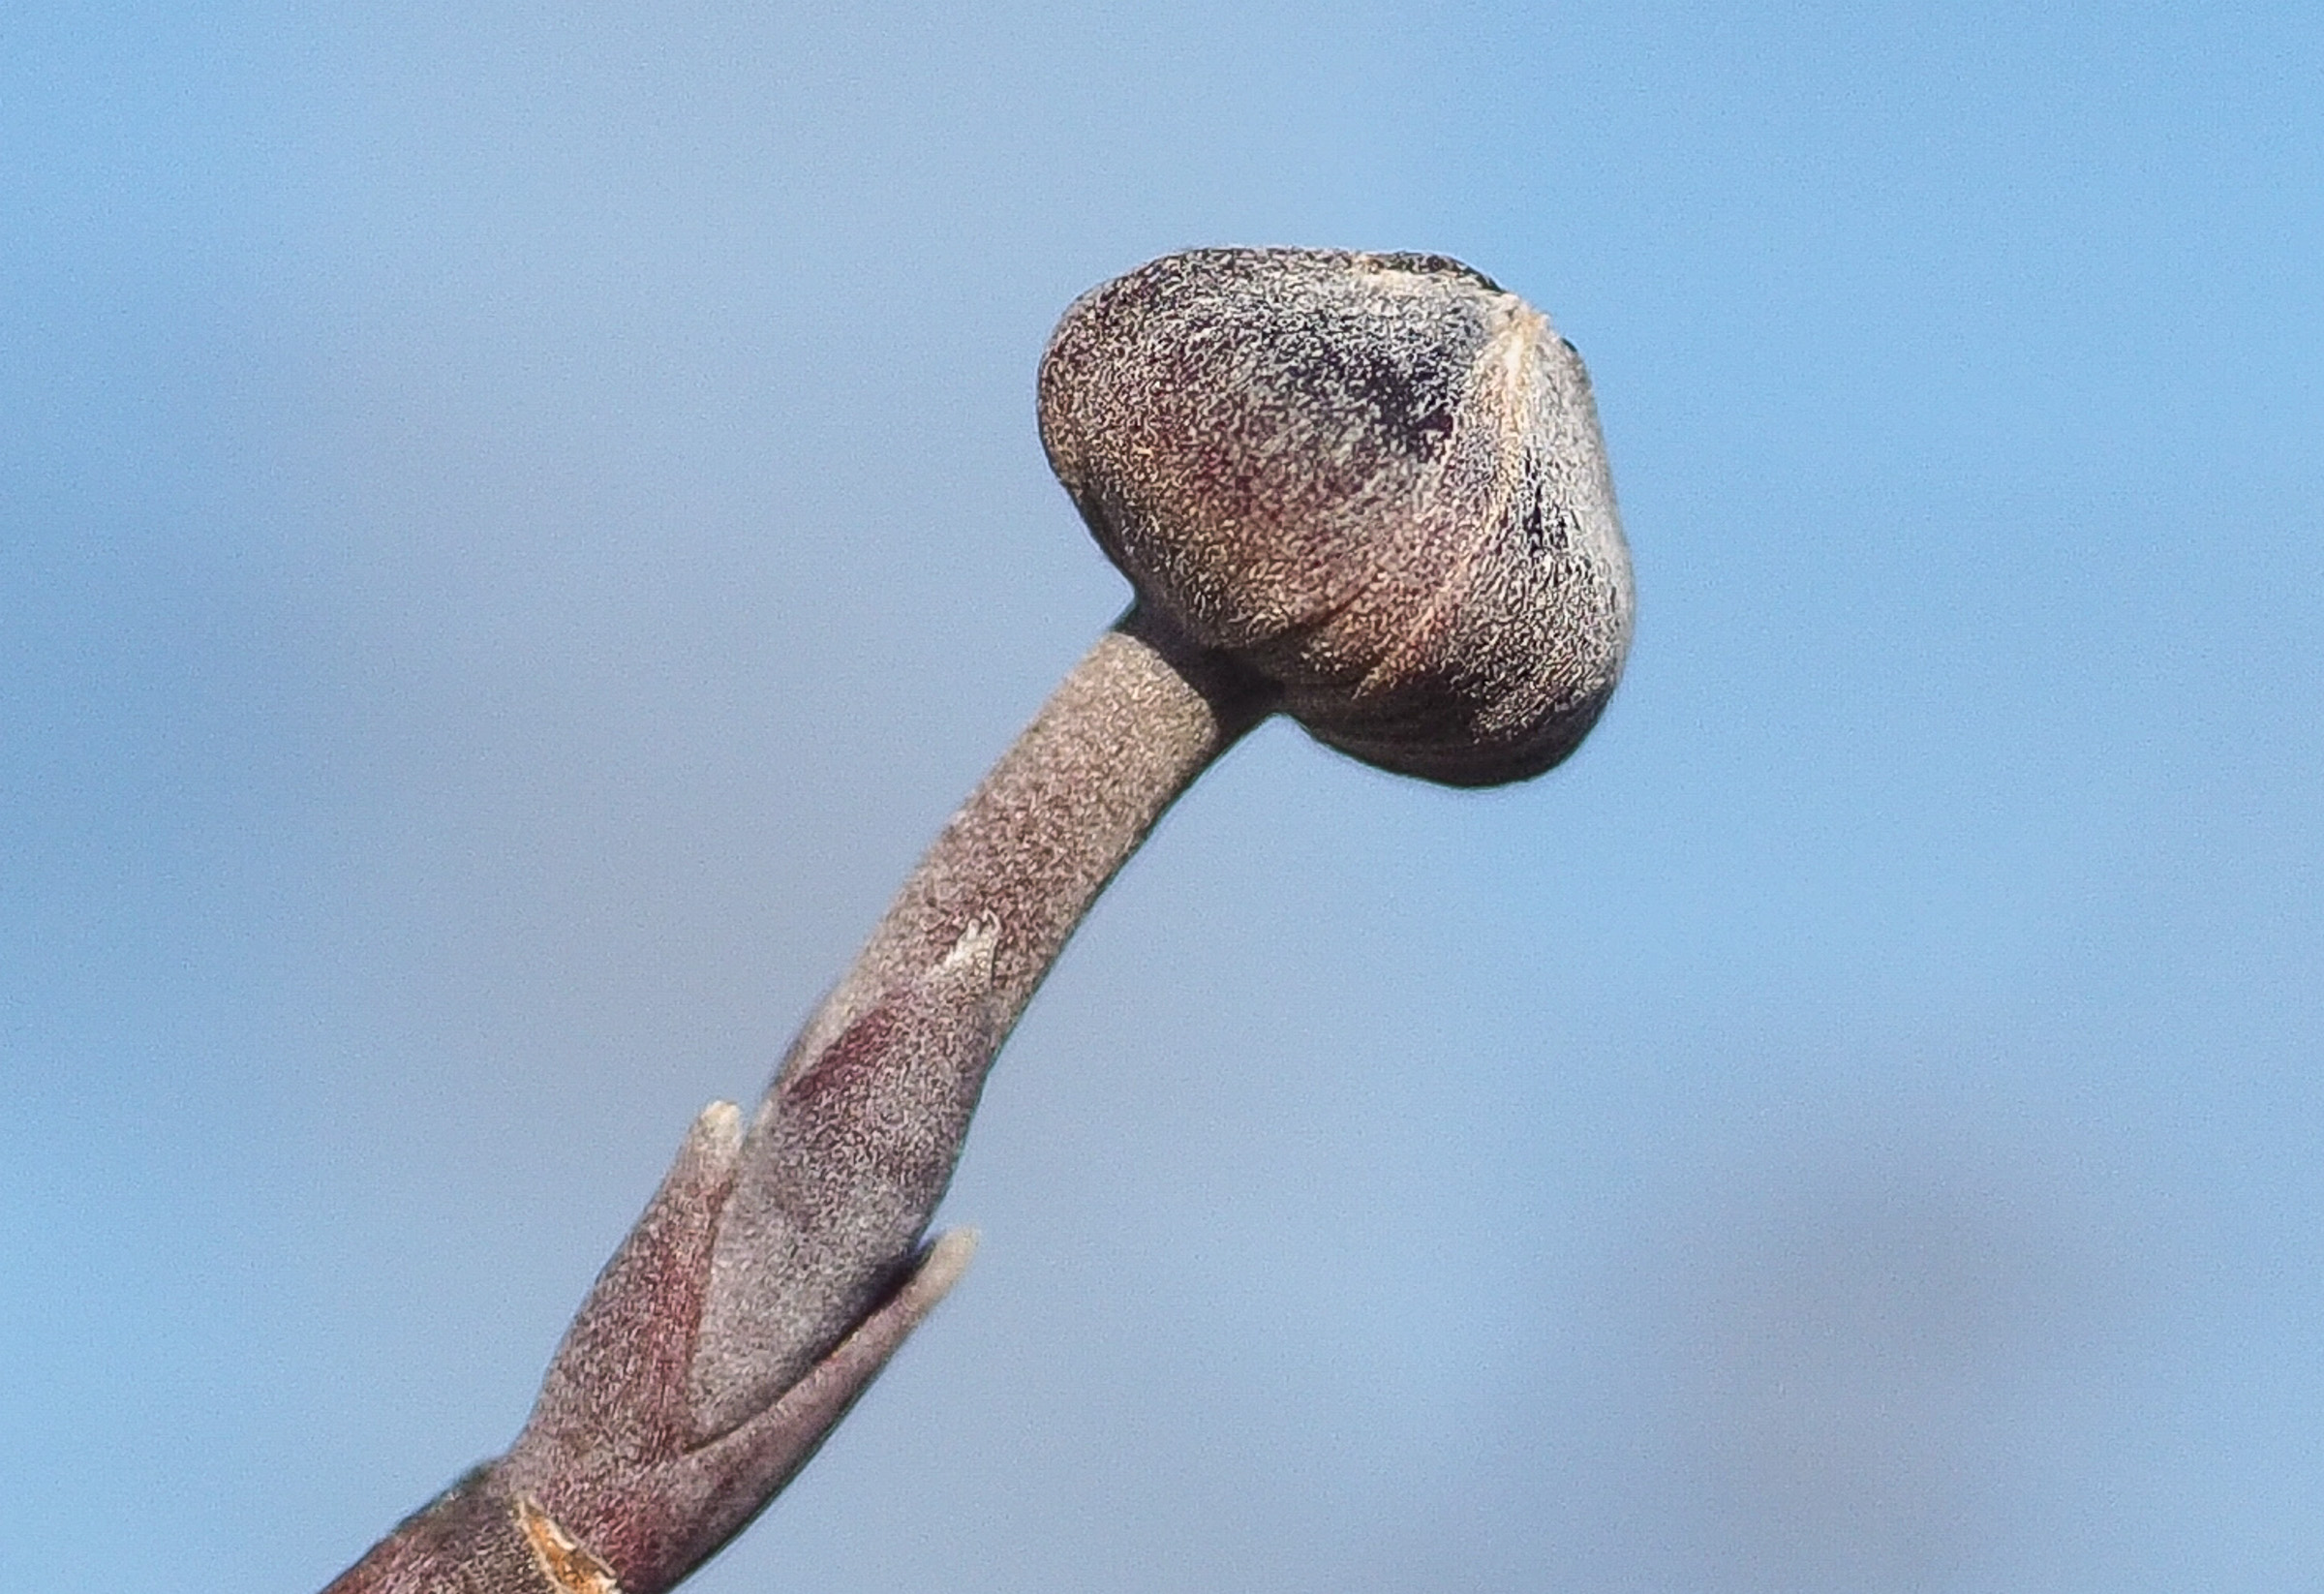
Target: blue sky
518, 520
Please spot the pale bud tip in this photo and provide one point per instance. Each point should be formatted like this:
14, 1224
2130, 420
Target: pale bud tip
973, 952
719, 1124
947, 1259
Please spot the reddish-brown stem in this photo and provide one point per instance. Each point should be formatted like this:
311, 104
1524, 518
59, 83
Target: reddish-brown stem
1125, 732
775, 1271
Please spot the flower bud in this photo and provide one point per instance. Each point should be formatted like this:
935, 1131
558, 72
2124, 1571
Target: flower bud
1377, 480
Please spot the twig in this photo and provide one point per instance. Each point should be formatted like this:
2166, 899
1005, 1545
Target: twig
1367, 490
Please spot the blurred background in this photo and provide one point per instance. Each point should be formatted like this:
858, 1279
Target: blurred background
518, 520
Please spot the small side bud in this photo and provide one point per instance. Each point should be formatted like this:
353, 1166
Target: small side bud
838, 1176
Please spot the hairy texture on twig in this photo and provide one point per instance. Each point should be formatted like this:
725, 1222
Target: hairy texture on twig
1366, 488
1376, 479
820, 1211
657, 1518
474, 1538
848, 1160
615, 1486
1141, 715
760, 1293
